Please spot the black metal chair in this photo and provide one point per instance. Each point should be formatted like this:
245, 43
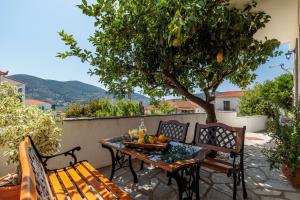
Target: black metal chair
173, 129
229, 141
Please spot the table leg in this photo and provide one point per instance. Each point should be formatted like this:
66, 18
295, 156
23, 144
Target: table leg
113, 161
178, 180
188, 182
197, 181
135, 180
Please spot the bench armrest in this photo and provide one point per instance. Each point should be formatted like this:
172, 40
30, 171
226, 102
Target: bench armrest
70, 152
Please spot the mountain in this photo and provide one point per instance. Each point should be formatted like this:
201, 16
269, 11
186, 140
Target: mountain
61, 92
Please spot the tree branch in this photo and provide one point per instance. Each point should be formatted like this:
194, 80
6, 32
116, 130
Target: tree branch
183, 91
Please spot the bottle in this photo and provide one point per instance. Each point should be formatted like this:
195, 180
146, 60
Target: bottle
142, 129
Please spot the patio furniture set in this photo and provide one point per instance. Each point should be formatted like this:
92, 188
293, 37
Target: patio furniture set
181, 161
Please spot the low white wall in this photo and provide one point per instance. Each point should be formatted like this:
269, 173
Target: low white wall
253, 123
87, 133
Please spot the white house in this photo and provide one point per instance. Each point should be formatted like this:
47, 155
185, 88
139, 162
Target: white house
20, 86
228, 101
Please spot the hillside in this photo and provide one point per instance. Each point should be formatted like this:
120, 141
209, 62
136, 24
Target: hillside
60, 92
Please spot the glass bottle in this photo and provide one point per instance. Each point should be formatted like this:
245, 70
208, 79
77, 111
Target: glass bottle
142, 129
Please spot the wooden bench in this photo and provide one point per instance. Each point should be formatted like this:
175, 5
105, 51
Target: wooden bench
80, 180
229, 141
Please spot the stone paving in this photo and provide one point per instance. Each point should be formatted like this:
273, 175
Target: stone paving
261, 182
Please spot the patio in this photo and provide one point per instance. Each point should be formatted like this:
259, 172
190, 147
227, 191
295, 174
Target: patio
261, 183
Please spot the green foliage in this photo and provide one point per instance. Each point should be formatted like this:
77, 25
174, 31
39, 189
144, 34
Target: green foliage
287, 141
161, 108
170, 47
18, 121
264, 97
165, 108
104, 108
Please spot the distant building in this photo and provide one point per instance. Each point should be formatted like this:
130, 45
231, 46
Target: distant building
225, 101
20, 86
184, 106
180, 106
228, 101
45, 106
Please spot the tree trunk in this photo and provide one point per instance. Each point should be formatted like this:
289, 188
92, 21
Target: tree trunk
209, 109
211, 114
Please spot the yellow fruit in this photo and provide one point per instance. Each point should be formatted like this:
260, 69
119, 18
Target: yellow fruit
176, 42
162, 138
219, 57
151, 139
141, 141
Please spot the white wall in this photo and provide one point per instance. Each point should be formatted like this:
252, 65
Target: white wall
284, 19
234, 102
16, 84
87, 133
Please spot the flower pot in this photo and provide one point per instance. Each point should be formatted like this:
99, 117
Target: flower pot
10, 192
294, 180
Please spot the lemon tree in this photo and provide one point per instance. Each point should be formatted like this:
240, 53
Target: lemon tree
173, 47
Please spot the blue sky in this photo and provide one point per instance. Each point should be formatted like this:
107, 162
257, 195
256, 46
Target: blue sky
29, 41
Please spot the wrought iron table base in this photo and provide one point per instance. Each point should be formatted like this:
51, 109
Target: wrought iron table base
187, 179
187, 182
119, 161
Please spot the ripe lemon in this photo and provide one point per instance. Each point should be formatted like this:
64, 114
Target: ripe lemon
162, 138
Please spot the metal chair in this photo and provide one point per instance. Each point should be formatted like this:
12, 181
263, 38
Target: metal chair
228, 140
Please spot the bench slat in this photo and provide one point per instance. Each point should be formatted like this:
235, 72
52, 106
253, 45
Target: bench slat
81, 184
58, 190
99, 186
73, 193
107, 182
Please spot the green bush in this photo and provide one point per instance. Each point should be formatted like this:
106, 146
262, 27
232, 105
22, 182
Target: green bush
264, 97
104, 108
18, 121
286, 137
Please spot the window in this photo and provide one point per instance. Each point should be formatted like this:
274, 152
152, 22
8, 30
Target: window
226, 105
20, 90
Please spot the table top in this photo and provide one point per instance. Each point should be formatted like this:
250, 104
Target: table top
176, 157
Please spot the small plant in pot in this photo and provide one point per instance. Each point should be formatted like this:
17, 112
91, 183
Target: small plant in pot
285, 152
16, 122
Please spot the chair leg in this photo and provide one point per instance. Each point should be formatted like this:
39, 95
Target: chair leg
234, 186
243, 183
142, 165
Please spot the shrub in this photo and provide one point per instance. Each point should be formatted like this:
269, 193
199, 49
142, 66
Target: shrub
264, 97
104, 108
18, 121
287, 141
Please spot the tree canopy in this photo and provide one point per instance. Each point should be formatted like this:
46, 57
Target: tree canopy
263, 98
172, 47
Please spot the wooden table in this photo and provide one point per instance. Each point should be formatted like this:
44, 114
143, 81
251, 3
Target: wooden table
181, 162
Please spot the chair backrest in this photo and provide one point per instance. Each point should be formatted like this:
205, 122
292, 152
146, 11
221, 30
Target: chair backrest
173, 130
220, 137
35, 183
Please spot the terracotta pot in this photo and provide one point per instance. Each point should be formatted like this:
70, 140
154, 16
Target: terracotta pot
10, 192
294, 180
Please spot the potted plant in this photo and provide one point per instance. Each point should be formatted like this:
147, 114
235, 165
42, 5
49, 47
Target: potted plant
285, 152
16, 122
9, 189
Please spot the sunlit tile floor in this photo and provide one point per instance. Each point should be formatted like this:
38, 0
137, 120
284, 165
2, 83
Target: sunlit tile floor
261, 182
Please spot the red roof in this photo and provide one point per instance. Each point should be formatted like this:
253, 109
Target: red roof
182, 104
230, 94
34, 102
3, 73
178, 104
